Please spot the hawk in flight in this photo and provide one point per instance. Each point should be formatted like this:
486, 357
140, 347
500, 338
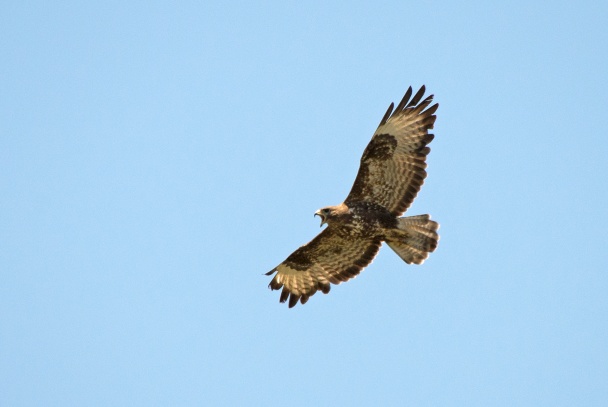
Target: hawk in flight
391, 172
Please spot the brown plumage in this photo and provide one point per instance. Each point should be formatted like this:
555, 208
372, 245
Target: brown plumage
392, 170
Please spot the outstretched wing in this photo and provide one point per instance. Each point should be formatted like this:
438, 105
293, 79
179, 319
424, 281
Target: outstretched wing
328, 258
393, 166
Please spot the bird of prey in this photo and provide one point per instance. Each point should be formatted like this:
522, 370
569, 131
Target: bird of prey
391, 172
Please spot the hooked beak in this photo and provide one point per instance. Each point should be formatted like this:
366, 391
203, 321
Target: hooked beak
319, 214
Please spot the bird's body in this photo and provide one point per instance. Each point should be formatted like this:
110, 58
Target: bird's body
359, 219
391, 172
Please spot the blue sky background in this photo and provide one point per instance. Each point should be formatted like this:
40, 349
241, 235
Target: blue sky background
156, 158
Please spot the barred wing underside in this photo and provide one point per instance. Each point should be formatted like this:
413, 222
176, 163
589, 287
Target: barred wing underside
328, 258
393, 166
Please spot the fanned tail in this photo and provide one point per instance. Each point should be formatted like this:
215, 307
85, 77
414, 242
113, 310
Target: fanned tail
414, 238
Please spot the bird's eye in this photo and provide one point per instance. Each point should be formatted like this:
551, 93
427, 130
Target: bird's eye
325, 210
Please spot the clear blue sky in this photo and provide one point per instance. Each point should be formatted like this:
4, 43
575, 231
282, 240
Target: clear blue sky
156, 158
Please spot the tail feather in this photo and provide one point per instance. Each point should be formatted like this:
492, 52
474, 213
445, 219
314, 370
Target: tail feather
414, 238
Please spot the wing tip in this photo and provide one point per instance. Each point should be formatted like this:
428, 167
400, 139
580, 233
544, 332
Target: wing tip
413, 103
293, 300
284, 294
387, 114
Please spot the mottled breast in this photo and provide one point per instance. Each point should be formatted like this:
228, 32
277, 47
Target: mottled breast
369, 217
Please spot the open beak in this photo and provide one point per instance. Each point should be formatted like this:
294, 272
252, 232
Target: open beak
319, 214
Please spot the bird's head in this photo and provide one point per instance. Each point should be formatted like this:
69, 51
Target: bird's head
330, 213
324, 214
